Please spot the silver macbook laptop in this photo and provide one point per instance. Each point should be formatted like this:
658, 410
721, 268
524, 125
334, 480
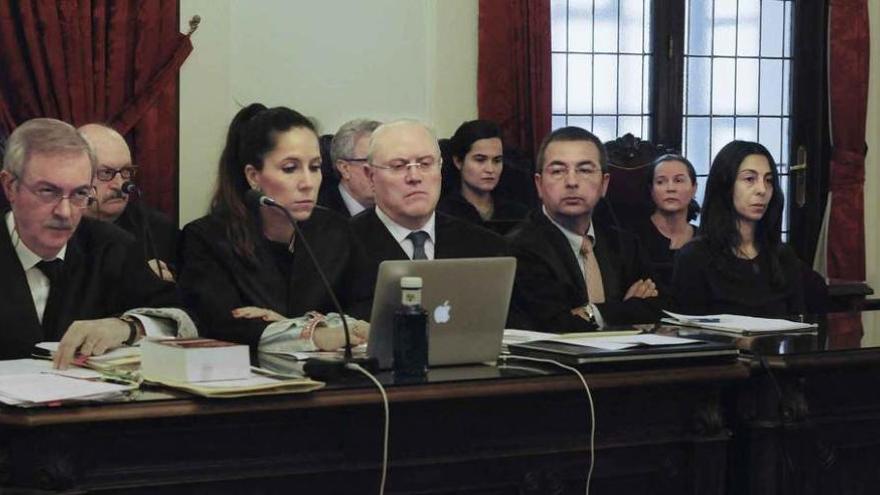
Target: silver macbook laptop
466, 300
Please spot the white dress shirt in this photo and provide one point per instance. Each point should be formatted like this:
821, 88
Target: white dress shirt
399, 233
36, 279
575, 240
351, 204
38, 282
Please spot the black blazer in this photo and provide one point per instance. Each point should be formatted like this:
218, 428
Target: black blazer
454, 239
457, 206
550, 283
704, 284
330, 197
163, 231
214, 280
104, 275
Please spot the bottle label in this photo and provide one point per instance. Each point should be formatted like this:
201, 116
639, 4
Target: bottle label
411, 297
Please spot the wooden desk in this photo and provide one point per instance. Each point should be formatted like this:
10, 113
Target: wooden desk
502, 431
808, 420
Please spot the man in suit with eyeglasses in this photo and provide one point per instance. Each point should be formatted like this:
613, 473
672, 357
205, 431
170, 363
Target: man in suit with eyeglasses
155, 232
574, 271
404, 170
64, 276
348, 153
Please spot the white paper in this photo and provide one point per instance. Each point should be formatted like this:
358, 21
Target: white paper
740, 323
117, 353
598, 343
30, 366
514, 336
50, 387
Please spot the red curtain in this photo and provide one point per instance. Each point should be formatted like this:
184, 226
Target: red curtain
513, 81
848, 71
110, 61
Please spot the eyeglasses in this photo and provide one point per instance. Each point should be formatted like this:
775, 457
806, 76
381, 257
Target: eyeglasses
49, 194
106, 174
400, 167
581, 172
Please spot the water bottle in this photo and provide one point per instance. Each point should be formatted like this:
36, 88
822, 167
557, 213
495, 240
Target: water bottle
410, 330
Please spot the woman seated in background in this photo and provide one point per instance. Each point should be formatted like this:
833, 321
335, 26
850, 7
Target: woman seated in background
244, 272
738, 264
673, 187
478, 154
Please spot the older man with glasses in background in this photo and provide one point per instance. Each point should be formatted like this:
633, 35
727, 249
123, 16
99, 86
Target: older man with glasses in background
64, 276
156, 234
404, 170
348, 152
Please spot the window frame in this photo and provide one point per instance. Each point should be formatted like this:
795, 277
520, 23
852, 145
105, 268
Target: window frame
808, 120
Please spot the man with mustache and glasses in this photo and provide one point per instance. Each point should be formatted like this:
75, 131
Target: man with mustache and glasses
574, 273
64, 276
156, 234
404, 169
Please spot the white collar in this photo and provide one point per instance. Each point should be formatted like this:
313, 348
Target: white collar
26, 257
399, 232
574, 238
354, 207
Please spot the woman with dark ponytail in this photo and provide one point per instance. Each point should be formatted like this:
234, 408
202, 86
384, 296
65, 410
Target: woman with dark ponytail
672, 187
738, 263
243, 271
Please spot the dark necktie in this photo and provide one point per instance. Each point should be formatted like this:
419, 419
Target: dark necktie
53, 271
418, 239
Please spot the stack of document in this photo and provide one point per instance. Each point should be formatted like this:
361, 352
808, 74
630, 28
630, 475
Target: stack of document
256, 384
739, 325
31, 382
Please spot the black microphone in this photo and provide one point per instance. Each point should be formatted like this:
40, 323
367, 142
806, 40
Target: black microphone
150, 251
129, 187
314, 367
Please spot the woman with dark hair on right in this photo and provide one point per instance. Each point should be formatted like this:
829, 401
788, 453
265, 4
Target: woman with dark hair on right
738, 263
478, 155
244, 272
673, 185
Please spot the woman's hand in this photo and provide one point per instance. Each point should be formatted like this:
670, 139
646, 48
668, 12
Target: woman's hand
330, 338
253, 313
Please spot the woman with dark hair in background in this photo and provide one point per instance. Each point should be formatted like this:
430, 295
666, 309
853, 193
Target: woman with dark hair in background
738, 263
244, 272
673, 185
478, 154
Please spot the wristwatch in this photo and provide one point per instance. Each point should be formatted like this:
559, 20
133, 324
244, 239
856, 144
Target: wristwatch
132, 329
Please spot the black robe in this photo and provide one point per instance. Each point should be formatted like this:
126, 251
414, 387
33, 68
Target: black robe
104, 275
214, 280
162, 230
705, 285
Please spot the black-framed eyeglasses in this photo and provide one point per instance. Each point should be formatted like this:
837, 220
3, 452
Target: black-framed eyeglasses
106, 174
49, 194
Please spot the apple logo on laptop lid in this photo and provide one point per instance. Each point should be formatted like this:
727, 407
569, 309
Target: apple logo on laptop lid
442, 313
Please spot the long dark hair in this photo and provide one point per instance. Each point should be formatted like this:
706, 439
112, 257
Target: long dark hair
718, 222
252, 134
693, 206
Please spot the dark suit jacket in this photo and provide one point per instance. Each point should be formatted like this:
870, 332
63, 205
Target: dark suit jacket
454, 239
331, 198
105, 275
162, 230
550, 283
214, 280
